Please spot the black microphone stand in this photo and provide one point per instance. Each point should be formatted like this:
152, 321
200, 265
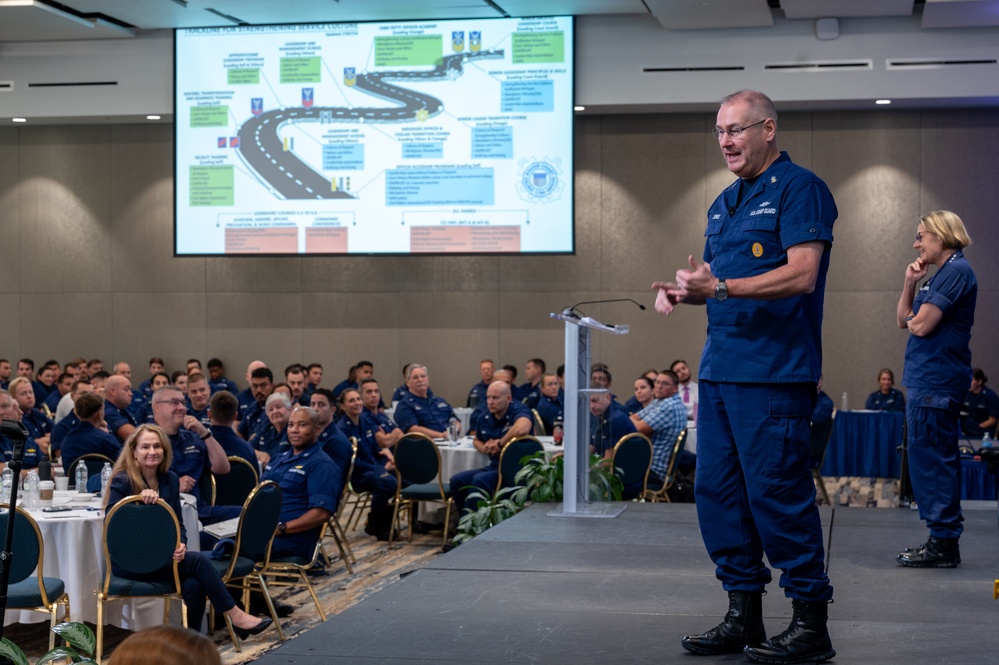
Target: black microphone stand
17, 433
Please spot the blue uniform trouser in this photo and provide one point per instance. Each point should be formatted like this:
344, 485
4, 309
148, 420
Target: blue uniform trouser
754, 490
464, 482
382, 486
933, 421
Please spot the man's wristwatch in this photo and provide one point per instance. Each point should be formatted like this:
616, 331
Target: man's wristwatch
721, 290
282, 527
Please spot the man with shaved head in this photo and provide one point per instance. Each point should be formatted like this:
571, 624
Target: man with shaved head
117, 398
504, 421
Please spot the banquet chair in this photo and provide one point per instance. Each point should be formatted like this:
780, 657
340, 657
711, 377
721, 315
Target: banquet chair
357, 501
539, 424
660, 494
254, 534
336, 527
26, 592
512, 459
418, 476
139, 539
232, 489
294, 571
93, 461
206, 487
818, 445
631, 461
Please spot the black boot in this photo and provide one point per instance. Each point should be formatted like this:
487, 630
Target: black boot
806, 639
934, 553
743, 625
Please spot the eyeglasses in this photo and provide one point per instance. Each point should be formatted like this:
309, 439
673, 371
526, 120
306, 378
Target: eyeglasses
171, 402
919, 236
735, 132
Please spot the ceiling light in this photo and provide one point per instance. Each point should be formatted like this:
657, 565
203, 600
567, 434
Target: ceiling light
152, 117
882, 102
578, 108
19, 120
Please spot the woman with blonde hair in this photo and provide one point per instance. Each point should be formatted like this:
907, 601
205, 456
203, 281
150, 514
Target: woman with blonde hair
166, 645
143, 468
937, 373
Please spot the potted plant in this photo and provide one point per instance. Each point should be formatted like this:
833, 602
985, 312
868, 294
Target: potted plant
77, 635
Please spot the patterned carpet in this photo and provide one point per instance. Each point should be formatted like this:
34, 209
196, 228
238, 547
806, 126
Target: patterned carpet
378, 565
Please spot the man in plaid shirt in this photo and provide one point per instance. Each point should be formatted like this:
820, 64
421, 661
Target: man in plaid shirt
662, 421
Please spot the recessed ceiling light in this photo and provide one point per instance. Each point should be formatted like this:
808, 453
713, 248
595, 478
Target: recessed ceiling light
152, 117
19, 120
578, 108
882, 102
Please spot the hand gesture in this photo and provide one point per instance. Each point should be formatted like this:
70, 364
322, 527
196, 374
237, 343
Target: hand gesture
698, 282
915, 271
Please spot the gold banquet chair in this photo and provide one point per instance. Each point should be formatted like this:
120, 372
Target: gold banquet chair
418, 463
632, 456
660, 494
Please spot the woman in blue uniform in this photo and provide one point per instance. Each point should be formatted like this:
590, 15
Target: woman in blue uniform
886, 398
939, 316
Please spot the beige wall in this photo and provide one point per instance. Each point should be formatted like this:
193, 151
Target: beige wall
87, 269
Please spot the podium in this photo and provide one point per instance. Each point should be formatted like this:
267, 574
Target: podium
576, 417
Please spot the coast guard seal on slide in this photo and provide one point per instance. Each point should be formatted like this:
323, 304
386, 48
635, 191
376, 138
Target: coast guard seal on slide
540, 180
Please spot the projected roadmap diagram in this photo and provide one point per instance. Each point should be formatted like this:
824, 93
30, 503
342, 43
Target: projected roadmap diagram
430, 137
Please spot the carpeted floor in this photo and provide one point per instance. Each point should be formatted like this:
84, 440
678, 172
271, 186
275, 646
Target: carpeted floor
378, 565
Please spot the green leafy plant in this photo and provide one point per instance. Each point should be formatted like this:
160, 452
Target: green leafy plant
76, 634
489, 511
543, 480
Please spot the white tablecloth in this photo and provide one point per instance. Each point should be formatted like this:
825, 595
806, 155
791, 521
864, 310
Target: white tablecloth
74, 551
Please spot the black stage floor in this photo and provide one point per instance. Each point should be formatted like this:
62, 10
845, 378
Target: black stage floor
539, 589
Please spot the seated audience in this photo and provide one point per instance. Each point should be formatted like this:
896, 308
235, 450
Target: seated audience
388, 433
823, 411
330, 437
686, 388
39, 426
63, 385
364, 369
245, 396
550, 407
662, 421
477, 394
157, 381
272, 437
94, 366
66, 425
507, 377
194, 365
199, 392
89, 437
373, 465
401, 391
294, 376
9, 410
222, 409
886, 398
310, 487
503, 421
607, 426
44, 384
145, 389
980, 411
643, 396
117, 399
179, 381
254, 418
530, 392
315, 372
143, 468
216, 378
420, 410
5, 371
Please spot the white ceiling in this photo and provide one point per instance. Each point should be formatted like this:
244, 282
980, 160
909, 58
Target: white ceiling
48, 20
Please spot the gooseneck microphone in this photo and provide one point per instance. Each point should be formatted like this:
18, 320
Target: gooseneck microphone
572, 309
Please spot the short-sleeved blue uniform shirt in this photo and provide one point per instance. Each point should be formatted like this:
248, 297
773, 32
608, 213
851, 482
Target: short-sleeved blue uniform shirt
308, 480
431, 412
86, 439
490, 427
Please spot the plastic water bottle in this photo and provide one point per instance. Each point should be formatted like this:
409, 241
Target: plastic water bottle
557, 431
105, 477
453, 427
6, 480
81, 477
986, 440
31, 499
843, 406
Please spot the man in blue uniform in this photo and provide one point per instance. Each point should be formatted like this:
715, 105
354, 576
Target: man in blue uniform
980, 411
550, 406
222, 409
763, 280
530, 392
199, 393
9, 410
420, 410
607, 426
117, 398
216, 378
477, 394
504, 421
310, 487
71, 420
245, 396
90, 435
330, 437
255, 417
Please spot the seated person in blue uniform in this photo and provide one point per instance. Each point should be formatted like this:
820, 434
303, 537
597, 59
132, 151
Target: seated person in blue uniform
401, 391
5, 371
600, 377
550, 407
44, 384
823, 411
89, 437
294, 376
420, 410
63, 385
255, 417
504, 421
530, 392
145, 412
477, 394
9, 410
374, 469
364, 369
216, 378
199, 392
272, 437
222, 409
332, 439
310, 487
980, 411
145, 389
662, 421
66, 425
195, 451
143, 468
194, 365
315, 377
117, 398
505, 375
607, 426
886, 398
245, 396
39, 426
388, 432
644, 387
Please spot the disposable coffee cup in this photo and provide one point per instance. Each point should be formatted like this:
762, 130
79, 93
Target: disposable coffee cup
62, 483
46, 488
